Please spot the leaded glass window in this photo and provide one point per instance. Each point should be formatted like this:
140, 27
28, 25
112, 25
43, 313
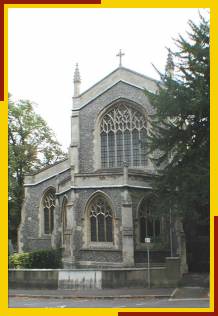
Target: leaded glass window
149, 224
48, 209
101, 223
123, 132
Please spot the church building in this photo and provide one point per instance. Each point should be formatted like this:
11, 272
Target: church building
97, 204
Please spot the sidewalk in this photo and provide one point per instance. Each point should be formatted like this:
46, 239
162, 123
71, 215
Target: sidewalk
192, 285
95, 294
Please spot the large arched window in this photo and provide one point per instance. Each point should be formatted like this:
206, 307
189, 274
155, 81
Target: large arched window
48, 211
101, 221
123, 132
149, 223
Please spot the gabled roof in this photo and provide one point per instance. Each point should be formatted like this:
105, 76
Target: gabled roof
119, 74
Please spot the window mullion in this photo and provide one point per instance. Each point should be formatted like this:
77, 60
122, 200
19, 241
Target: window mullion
131, 141
49, 220
124, 157
115, 149
140, 149
96, 218
105, 235
107, 151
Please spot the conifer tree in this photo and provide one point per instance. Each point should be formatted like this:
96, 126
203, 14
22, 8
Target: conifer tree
180, 127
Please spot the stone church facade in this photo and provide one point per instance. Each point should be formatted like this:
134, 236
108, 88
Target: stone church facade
97, 204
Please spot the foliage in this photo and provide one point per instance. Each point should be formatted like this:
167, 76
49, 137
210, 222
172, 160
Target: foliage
41, 259
19, 261
179, 135
32, 145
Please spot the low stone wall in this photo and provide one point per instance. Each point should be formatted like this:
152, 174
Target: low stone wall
165, 276
33, 278
80, 279
133, 277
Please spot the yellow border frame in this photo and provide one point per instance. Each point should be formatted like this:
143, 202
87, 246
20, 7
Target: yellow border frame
3, 171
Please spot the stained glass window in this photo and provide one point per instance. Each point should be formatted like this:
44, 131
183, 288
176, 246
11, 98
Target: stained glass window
123, 132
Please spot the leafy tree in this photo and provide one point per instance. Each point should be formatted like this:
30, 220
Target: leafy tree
32, 145
179, 135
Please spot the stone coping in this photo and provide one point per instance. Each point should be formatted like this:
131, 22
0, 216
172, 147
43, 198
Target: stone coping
142, 172
90, 269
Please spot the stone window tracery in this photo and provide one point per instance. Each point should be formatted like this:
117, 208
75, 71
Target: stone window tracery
101, 223
123, 132
48, 210
150, 225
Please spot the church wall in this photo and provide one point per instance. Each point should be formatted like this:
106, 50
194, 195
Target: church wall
116, 76
104, 257
89, 115
30, 227
31, 236
101, 252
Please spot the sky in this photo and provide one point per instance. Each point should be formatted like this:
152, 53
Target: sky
45, 44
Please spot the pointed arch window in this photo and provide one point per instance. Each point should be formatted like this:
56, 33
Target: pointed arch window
150, 224
101, 220
123, 132
48, 211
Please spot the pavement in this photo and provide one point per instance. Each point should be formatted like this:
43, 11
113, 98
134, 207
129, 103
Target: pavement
131, 293
94, 293
24, 302
191, 286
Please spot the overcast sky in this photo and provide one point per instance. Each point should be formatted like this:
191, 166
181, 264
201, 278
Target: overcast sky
45, 44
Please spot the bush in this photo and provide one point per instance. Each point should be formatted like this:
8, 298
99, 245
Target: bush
40, 259
20, 260
46, 259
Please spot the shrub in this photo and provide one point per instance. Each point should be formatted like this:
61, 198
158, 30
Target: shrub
40, 259
46, 259
20, 260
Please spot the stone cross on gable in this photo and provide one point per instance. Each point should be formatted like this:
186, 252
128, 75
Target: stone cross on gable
120, 55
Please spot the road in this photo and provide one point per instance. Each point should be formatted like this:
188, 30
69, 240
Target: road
115, 303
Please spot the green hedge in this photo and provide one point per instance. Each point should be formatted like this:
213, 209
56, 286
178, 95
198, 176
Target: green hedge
40, 259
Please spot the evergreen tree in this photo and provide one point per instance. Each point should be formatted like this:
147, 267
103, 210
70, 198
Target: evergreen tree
180, 127
32, 145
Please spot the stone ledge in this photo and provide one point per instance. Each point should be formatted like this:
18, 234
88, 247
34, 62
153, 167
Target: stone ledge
101, 249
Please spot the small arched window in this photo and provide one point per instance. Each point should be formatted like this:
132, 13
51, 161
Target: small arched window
101, 221
48, 211
149, 223
123, 132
